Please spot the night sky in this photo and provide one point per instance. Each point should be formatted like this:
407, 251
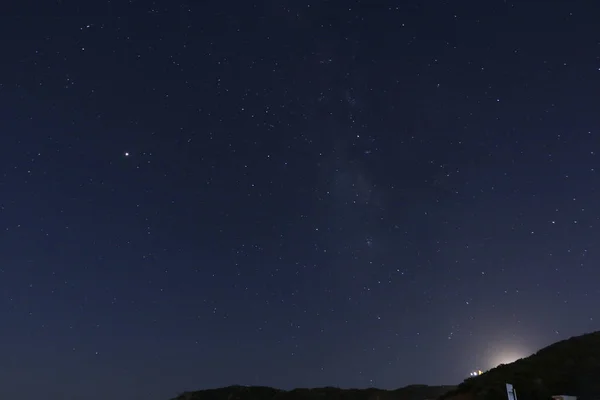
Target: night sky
292, 193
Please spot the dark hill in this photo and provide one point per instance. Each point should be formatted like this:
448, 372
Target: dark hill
569, 367
413, 392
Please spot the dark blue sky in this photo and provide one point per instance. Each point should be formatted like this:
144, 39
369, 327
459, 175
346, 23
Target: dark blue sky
292, 193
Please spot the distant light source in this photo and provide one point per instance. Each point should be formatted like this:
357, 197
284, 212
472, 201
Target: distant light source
507, 357
126, 154
476, 373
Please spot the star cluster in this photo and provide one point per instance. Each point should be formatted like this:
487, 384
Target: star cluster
292, 194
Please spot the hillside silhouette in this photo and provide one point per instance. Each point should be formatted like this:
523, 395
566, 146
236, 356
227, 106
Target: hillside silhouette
413, 392
568, 367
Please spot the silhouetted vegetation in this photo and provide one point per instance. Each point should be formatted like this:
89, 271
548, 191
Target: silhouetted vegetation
413, 392
569, 367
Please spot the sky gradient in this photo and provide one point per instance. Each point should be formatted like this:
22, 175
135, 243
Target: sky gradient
292, 194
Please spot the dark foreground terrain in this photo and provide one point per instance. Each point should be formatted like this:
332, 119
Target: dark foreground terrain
569, 367
413, 392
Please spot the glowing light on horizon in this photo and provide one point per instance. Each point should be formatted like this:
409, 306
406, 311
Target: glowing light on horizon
507, 357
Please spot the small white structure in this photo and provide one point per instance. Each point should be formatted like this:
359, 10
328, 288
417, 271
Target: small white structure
564, 397
511, 392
